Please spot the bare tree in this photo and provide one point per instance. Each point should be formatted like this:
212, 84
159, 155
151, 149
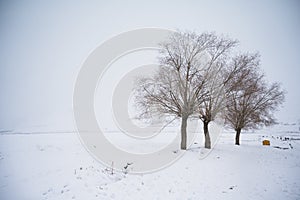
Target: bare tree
251, 101
214, 100
177, 88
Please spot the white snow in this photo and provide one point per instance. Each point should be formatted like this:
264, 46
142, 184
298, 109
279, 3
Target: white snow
57, 166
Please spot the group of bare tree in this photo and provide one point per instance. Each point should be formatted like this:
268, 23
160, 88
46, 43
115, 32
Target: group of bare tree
199, 78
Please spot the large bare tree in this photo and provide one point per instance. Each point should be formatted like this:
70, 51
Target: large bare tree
189, 62
177, 89
213, 102
251, 101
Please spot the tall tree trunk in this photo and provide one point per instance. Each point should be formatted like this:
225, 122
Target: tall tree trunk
183, 132
207, 143
237, 136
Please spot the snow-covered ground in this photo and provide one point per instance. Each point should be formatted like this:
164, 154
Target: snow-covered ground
56, 166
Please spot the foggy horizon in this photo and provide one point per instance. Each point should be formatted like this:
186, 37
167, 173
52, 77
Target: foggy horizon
43, 47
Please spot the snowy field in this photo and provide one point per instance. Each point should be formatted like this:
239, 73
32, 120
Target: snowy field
56, 166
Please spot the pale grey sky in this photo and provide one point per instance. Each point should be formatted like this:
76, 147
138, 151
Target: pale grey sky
43, 45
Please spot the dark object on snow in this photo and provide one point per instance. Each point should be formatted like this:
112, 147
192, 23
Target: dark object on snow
232, 187
284, 148
127, 165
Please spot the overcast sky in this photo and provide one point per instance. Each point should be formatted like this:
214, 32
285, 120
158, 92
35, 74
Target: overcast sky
43, 45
